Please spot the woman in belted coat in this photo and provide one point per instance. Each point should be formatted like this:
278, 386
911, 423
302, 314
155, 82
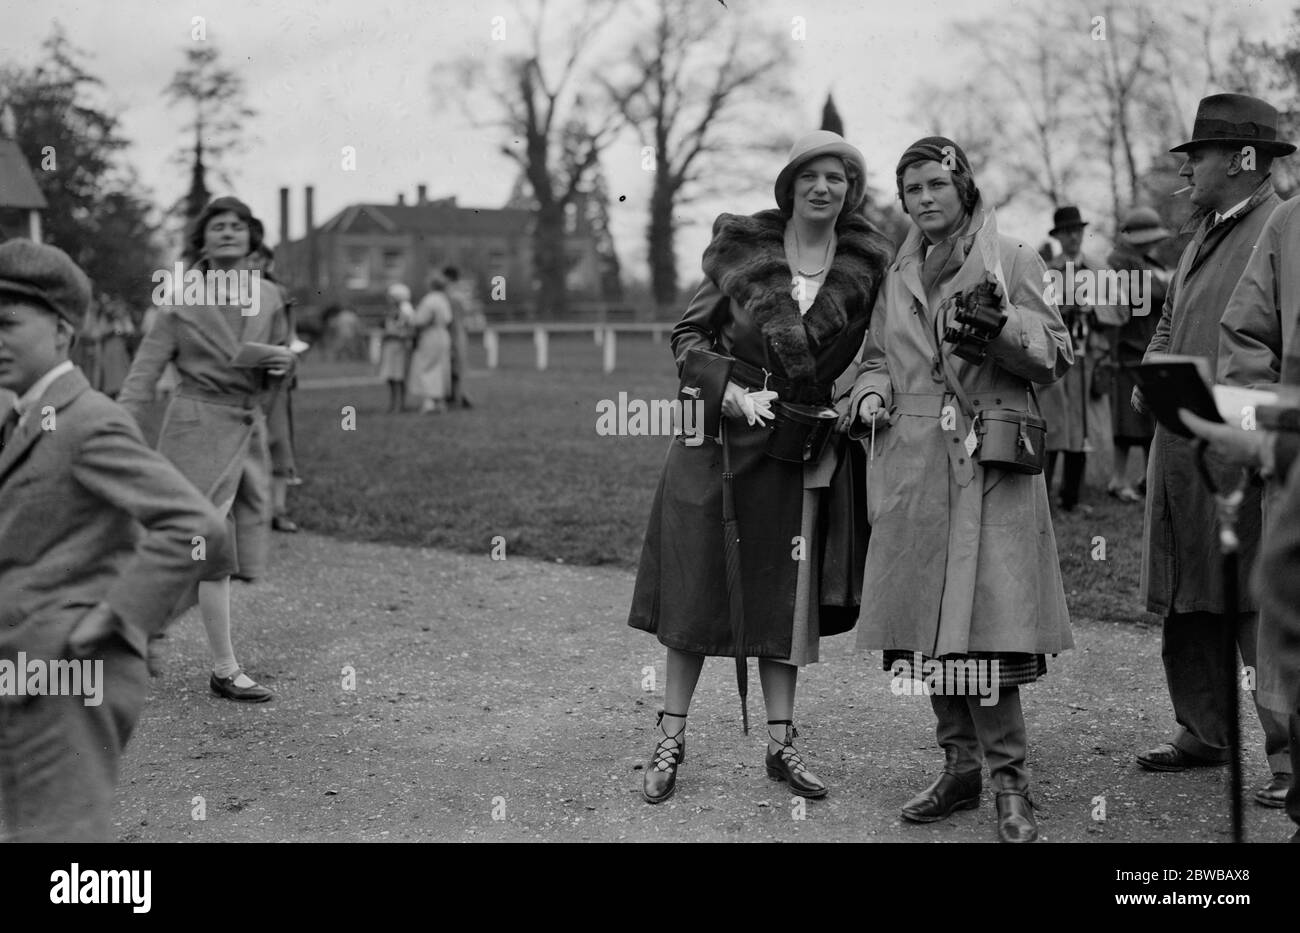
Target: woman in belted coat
214, 430
787, 294
962, 563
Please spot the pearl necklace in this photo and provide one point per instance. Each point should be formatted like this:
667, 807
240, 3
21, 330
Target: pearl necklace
798, 248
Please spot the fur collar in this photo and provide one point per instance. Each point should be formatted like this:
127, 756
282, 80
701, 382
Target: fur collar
747, 261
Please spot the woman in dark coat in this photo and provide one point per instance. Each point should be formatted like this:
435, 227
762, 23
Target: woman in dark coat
1140, 233
788, 294
215, 429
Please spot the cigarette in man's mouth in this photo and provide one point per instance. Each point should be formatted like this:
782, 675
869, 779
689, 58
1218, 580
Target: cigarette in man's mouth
1182, 190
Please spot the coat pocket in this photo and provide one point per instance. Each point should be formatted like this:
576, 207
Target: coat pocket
182, 410
1008, 498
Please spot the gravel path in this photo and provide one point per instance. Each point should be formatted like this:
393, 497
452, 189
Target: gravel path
515, 688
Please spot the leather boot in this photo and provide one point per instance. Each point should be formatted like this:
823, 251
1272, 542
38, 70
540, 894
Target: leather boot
950, 792
1016, 817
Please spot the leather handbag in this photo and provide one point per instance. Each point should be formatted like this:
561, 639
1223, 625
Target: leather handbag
1103, 379
799, 433
704, 380
1010, 439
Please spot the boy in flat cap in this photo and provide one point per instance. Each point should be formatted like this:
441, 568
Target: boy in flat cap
99, 538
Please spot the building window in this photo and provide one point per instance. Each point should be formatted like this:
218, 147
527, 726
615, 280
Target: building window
358, 270
394, 266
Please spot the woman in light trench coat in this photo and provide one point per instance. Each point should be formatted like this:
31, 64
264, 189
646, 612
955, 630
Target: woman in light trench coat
962, 562
214, 430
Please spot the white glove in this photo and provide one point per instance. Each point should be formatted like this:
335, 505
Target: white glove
757, 407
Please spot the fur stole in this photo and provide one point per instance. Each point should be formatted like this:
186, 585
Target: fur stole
747, 261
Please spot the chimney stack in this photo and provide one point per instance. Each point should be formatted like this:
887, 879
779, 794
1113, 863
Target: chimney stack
284, 216
313, 273
401, 199
422, 194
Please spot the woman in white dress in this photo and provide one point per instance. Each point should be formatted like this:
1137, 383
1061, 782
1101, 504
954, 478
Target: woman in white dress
431, 363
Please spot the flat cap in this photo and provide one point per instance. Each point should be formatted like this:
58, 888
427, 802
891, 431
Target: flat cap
46, 274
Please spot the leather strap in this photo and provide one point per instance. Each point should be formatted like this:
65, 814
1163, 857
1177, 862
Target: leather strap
755, 376
962, 466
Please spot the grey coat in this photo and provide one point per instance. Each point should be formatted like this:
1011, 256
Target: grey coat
1181, 565
214, 430
89, 514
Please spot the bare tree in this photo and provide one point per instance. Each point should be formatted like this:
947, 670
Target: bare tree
558, 133
973, 118
685, 87
1118, 73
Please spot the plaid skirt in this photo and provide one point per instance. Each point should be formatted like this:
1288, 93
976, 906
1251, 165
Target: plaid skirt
1010, 670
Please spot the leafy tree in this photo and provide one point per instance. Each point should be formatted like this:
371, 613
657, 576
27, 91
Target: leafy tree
98, 212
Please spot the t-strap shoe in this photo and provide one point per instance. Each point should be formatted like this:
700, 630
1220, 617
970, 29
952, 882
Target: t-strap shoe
661, 773
786, 765
226, 687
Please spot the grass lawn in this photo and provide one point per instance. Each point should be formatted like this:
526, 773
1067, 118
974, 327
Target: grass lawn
527, 464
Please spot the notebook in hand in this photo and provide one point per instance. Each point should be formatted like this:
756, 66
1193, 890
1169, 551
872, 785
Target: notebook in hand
1170, 382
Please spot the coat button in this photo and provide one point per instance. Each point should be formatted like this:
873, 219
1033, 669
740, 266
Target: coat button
248, 419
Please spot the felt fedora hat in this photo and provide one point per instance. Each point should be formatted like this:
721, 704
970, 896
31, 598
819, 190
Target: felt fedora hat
1141, 226
1236, 120
1065, 218
814, 145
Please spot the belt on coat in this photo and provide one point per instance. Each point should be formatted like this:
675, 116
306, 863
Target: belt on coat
233, 399
930, 405
802, 393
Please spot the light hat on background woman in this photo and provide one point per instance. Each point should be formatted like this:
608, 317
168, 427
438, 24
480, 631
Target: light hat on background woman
812, 146
1141, 226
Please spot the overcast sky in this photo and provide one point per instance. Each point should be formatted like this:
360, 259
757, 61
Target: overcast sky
324, 75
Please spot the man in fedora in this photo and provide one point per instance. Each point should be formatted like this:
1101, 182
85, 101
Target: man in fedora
1076, 421
1140, 233
98, 541
1228, 161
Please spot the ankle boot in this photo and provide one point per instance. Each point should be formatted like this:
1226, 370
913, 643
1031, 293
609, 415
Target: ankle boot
1016, 817
938, 801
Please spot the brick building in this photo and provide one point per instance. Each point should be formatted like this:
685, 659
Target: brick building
355, 255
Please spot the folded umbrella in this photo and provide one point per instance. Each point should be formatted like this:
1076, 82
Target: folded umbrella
735, 593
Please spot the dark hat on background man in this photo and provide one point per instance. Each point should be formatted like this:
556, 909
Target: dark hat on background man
46, 274
937, 149
1236, 120
1141, 226
1066, 218
815, 145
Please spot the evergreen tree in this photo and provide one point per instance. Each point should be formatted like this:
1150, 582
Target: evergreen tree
98, 212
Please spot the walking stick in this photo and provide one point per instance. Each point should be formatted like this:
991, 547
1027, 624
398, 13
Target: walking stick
1227, 504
